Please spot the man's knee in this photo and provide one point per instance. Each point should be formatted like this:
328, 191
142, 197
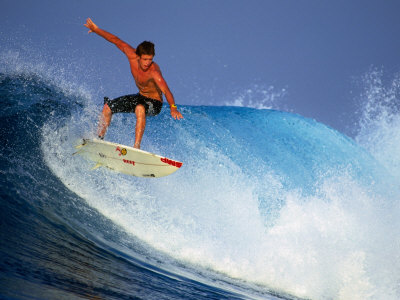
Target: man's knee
107, 110
140, 110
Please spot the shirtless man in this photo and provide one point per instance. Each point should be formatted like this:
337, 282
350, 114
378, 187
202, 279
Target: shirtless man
148, 79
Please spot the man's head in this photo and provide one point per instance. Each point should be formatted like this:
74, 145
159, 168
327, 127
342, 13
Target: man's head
145, 48
146, 52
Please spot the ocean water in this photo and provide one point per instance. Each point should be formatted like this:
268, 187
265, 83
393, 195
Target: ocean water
268, 204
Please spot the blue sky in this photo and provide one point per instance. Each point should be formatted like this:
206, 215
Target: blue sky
212, 51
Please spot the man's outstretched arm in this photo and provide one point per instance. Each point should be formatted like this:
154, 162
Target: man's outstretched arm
124, 47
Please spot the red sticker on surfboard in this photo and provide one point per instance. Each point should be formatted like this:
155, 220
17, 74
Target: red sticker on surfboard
171, 162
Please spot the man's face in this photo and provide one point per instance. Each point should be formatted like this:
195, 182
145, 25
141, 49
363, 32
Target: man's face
145, 61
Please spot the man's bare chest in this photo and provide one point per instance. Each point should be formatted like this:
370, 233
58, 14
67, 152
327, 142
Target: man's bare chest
141, 77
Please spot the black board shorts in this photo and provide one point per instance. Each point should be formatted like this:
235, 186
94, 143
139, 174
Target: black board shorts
128, 103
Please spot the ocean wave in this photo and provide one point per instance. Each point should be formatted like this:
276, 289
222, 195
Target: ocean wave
266, 201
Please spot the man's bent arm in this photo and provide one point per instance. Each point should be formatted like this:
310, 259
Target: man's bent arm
124, 47
161, 83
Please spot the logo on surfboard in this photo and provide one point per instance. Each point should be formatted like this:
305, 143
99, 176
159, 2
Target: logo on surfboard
127, 161
171, 162
122, 151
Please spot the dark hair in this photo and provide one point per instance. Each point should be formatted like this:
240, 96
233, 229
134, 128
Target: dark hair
145, 47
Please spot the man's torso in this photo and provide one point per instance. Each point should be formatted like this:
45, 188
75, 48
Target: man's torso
144, 80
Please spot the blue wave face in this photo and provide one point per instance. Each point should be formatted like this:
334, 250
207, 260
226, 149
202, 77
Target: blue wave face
264, 197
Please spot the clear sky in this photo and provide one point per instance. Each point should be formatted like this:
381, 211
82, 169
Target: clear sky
312, 54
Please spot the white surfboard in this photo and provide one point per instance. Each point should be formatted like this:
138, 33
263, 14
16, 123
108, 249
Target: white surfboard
125, 159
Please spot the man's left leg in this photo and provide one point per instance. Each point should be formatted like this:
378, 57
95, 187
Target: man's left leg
140, 112
104, 121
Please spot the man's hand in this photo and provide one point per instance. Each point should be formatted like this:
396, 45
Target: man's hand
89, 24
176, 114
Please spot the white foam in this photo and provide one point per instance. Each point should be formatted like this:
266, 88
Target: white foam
379, 126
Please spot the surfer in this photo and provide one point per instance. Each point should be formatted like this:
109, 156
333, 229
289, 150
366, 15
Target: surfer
148, 79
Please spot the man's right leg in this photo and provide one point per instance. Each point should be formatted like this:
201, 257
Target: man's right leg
140, 112
105, 120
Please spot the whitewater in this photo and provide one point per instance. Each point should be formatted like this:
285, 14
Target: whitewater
268, 204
